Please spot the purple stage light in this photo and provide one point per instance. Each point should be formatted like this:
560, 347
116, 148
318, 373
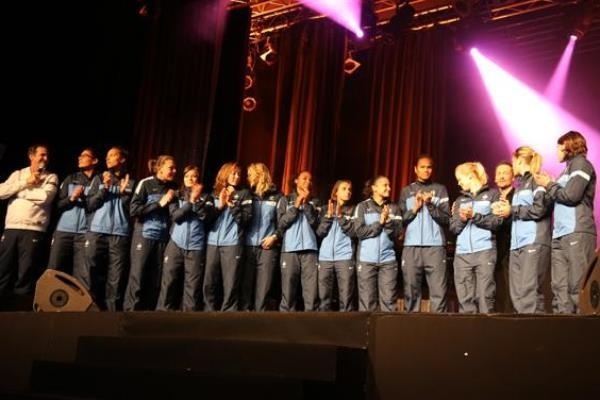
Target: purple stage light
528, 118
556, 87
344, 12
573, 38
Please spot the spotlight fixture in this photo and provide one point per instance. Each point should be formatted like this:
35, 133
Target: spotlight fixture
269, 56
249, 104
350, 65
400, 22
583, 19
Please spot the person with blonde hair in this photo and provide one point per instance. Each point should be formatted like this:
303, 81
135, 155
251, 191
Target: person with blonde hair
377, 225
574, 233
186, 250
474, 224
233, 206
261, 252
530, 233
150, 206
336, 253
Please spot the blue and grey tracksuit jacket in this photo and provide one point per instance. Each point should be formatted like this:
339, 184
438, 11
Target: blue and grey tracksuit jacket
109, 207
425, 228
152, 219
336, 235
573, 196
530, 214
73, 217
189, 220
477, 233
376, 241
230, 223
264, 217
297, 225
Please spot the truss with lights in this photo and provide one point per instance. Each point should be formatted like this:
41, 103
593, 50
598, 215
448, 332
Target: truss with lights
275, 15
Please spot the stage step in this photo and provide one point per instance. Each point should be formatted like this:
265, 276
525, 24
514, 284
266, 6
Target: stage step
133, 367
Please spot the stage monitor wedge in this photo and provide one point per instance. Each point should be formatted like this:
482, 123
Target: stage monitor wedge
57, 291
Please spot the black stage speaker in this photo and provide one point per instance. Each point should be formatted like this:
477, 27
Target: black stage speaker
589, 298
57, 291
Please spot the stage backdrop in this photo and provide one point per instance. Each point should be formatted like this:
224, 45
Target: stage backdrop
311, 115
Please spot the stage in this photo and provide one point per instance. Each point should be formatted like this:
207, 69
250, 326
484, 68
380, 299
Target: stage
298, 356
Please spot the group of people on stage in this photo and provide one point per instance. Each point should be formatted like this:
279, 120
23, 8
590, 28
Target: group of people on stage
197, 249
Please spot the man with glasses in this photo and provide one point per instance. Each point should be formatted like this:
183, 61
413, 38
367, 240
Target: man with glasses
67, 252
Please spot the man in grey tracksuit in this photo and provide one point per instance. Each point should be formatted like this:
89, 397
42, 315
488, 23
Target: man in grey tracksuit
574, 234
425, 211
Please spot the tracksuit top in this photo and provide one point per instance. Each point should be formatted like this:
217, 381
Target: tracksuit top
573, 196
376, 241
73, 217
264, 217
228, 228
530, 214
152, 220
297, 225
109, 207
476, 234
336, 235
425, 227
188, 229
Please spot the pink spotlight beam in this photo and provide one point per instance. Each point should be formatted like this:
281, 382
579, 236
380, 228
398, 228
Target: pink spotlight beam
345, 12
556, 87
527, 118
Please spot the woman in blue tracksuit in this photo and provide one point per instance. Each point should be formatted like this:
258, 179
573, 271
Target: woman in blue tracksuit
185, 252
336, 253
377, 225
150, 207
574, 234
530, 233
297, 220
261, 252
107, 238
474, 223
233, 208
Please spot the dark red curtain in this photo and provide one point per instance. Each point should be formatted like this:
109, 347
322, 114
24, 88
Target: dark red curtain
299, 99
175, 102
376, 121
394, 109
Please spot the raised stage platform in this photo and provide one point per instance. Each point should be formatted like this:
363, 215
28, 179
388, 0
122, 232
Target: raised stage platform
298, 356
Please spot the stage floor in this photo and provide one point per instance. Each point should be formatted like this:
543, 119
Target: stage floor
298, 355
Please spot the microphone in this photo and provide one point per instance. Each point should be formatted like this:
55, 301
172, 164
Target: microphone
41, 167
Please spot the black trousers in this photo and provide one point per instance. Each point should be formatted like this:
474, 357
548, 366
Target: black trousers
257, 277
107, 262
20, 261
67, 254
181, 265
